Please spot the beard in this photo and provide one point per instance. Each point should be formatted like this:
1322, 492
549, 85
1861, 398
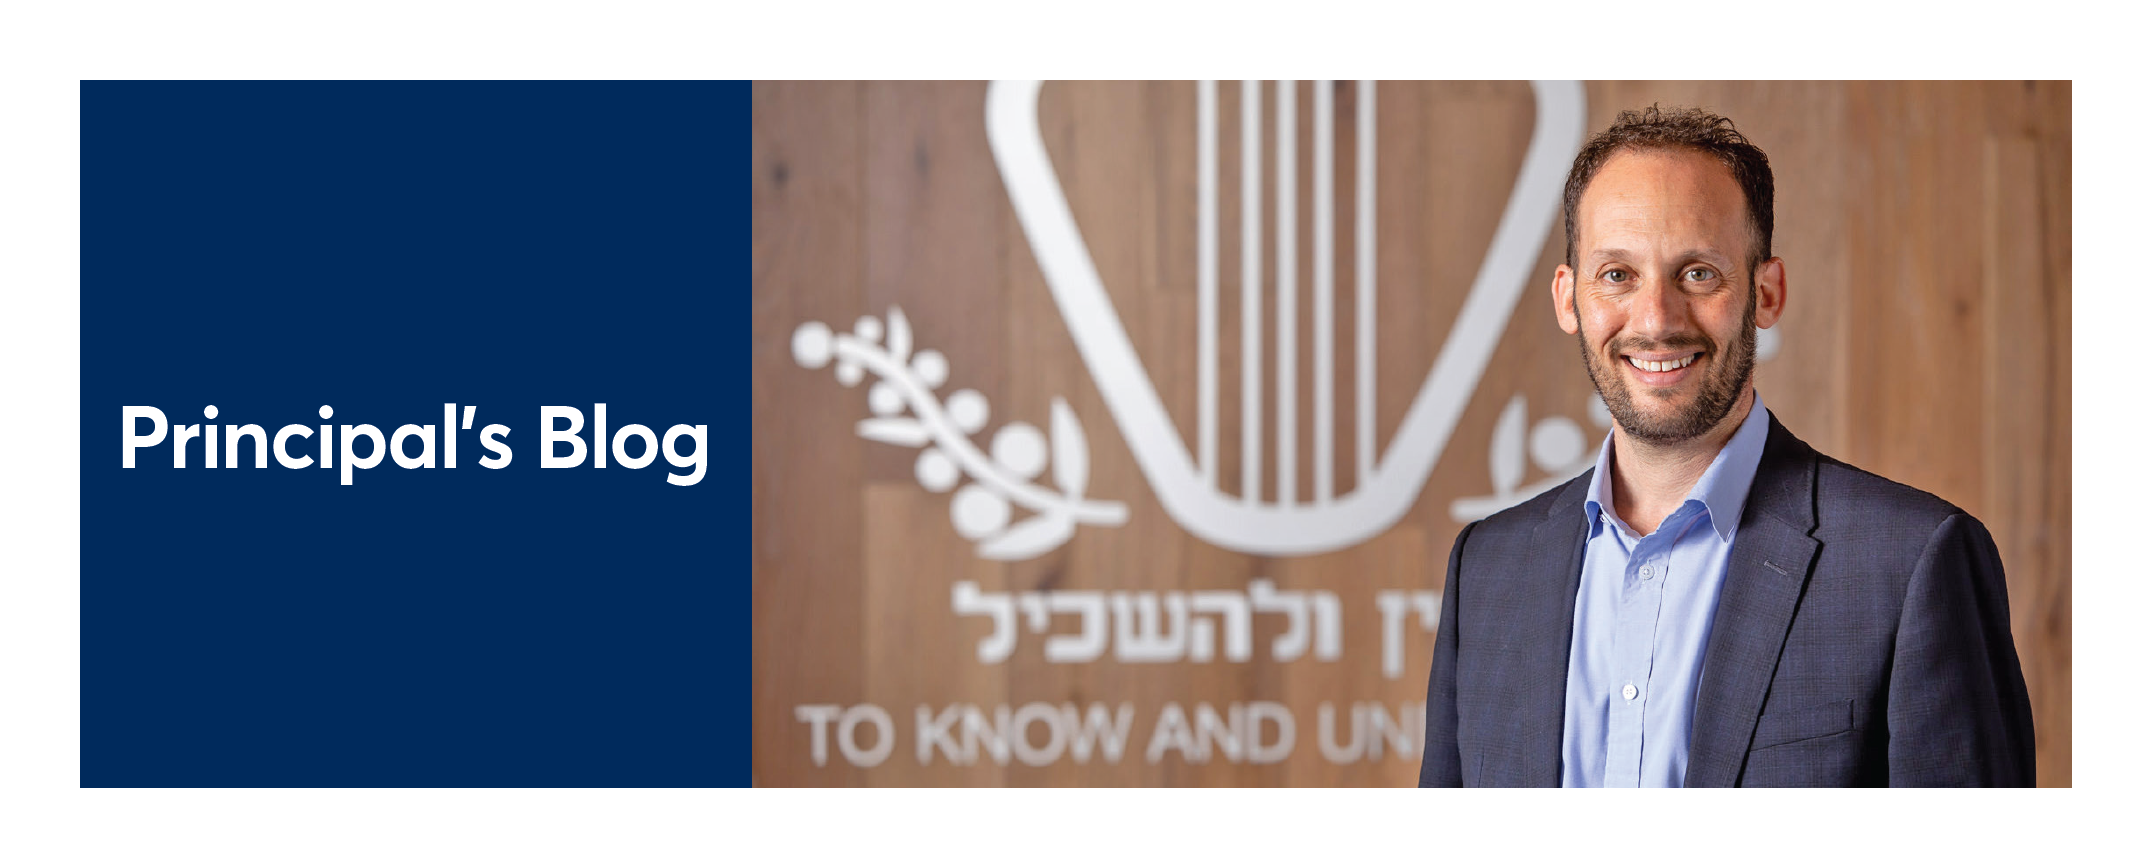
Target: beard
1717, 391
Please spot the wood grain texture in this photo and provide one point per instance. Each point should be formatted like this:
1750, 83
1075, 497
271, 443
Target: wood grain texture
1926, 231
809, 598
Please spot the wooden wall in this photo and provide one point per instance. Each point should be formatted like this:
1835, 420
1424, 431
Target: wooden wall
1926, 231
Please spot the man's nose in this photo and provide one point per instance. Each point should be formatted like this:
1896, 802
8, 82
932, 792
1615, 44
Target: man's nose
1659, 309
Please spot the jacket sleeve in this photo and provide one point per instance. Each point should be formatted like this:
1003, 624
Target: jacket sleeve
1440, 763
1958, 714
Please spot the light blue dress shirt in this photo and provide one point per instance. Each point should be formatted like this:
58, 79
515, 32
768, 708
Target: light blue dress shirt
1643, 619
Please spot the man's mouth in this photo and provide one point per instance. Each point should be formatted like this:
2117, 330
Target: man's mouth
1663, 363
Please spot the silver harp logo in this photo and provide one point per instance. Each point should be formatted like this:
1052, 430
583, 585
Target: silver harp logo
1335, 514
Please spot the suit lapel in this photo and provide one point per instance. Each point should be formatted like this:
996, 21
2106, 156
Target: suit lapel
1765, 573
1555, 566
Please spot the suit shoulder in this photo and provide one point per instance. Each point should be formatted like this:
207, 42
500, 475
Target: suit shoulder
1526, 517
1845, 493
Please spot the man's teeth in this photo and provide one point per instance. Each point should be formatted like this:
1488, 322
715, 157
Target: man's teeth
1643, 365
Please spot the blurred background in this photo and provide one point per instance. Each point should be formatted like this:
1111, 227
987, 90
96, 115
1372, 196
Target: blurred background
964, 571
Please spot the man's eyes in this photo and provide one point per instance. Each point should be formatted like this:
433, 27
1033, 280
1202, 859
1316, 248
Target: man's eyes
1694, 274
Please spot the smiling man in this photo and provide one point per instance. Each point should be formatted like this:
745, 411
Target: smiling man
1714, 603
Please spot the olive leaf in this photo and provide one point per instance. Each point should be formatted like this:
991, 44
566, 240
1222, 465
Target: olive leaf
899, 431
1058, 512
1030, 538
900, 337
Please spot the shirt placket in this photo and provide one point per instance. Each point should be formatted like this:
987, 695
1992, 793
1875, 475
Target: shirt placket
1635, 633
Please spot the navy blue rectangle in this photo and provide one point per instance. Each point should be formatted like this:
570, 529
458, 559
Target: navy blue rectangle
386, 248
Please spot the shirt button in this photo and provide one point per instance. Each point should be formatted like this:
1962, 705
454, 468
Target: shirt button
1647, 571
1628, 691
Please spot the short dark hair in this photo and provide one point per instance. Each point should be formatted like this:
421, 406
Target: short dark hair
1676, 129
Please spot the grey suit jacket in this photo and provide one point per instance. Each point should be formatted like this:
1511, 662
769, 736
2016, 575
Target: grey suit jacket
1862, 638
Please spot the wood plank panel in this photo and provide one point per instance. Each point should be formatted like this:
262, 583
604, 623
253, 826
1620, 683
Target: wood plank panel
808, 600
2019, 381
912, 657
2048, 608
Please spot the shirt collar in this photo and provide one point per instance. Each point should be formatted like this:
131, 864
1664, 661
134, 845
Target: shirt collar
1723, 488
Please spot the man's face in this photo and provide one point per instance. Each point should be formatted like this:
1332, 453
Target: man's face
1661, 300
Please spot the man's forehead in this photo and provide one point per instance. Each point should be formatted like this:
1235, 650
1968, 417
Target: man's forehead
1622, 254
1643, 201
1633, 173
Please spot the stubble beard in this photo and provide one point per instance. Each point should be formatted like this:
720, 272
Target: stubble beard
1719, 391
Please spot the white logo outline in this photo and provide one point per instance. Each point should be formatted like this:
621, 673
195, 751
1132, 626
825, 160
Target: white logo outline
1246, 524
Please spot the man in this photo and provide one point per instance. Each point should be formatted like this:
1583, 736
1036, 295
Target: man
1714, 603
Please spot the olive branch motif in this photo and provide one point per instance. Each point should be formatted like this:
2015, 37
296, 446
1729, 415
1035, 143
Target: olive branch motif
981, 509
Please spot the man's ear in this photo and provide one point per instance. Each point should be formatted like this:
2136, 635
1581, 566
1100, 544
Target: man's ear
1565, 293
1770, 292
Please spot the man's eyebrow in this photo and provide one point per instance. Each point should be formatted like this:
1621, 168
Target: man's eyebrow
1705, 253
1710, 254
